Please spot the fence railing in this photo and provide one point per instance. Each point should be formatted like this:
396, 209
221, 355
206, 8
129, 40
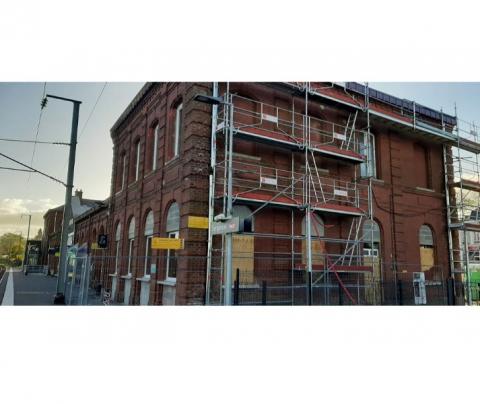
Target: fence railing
257, 280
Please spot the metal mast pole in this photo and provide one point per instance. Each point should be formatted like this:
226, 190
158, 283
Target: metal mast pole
308, 221
229, 236
67, 211
25, 259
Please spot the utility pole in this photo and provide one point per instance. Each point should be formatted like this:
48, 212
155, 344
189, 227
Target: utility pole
25, 256
67, 210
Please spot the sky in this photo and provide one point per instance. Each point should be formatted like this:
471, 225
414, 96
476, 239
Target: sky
21, 193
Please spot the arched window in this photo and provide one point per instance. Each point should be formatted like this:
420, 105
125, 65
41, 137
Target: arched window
118, 237
317, 227
427, 253
131, 239
148, 232
371, 238
173, 231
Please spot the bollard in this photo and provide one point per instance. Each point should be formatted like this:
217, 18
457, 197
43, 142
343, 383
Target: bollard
400, 293
264, 293
450, 292
236, 288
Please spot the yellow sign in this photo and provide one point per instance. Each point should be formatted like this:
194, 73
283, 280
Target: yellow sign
165, 243
94, 246
57, 254
197, 222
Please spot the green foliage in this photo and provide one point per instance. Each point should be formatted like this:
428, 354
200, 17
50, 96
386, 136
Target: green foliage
12, 246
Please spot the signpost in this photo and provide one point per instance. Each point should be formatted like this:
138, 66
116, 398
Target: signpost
228, 226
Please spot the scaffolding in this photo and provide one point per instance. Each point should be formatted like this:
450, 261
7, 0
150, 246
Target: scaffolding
301, 187
462, 179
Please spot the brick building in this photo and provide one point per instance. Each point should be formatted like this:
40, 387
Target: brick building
52, 228
338, 186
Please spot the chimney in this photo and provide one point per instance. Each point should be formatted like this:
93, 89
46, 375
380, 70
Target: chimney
79, 193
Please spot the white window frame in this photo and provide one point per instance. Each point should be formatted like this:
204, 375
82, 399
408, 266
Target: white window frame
173, 234
155, 145
124, 170
130, 250
137, 161
178, 114
118, 238
148, 243
369, 168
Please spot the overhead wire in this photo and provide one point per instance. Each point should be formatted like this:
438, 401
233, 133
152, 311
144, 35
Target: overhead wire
33, 141
38, 126
93, 109
33, 169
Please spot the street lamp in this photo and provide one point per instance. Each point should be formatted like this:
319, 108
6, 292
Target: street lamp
67, 209
215, 101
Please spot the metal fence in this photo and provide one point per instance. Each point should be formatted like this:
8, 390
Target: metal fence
94, 279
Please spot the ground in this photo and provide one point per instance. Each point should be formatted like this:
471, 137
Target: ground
32, 290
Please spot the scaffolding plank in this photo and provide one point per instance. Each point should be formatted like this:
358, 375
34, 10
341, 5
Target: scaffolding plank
468, 184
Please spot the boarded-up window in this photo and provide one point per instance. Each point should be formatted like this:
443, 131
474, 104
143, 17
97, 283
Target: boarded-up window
243, 248
318, 246
427, 257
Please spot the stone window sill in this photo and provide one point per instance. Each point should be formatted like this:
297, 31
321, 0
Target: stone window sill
168, 282
145, 278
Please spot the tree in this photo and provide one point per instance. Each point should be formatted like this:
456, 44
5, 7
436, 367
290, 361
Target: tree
39, 235
12, 247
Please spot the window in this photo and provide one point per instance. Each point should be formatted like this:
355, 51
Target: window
155, 146
178, 128
176, 123
137, 160
131, 240
124, 170
427, 253
369, 167
148, 243
118, 236
173, 227
371, 239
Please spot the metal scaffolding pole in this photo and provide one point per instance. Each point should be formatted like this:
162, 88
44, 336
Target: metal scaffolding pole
211, 196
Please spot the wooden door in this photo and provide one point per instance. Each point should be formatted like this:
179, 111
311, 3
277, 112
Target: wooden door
242, 258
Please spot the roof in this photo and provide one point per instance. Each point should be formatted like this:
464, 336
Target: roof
406, 105
144, 90
100, 205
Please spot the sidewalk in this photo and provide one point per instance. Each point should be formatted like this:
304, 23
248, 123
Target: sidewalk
30, 290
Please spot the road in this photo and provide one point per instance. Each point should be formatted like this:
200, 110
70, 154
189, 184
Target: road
32, 290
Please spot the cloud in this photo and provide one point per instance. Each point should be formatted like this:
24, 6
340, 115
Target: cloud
11, 210
14, 206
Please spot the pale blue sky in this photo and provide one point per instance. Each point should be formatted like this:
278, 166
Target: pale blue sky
19, 110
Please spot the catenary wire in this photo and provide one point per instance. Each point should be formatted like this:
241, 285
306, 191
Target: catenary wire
33, 169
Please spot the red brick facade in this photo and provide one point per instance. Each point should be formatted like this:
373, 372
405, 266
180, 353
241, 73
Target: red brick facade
408, 190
